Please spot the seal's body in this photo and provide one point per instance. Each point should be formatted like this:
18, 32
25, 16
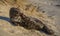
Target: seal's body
19, 18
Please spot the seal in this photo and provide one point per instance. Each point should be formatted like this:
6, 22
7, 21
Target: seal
28, 22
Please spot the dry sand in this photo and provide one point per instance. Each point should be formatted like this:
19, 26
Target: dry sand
7, 29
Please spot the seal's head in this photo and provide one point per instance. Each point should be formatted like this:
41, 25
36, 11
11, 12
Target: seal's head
14, 14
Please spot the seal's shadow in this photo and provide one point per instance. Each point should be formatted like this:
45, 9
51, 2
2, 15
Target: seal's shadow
6, 19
